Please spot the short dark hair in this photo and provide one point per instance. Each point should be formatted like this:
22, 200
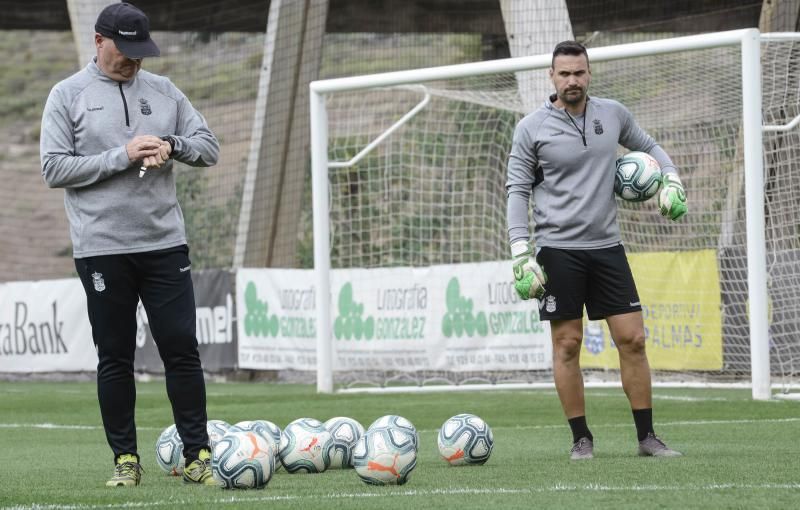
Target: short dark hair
568, 48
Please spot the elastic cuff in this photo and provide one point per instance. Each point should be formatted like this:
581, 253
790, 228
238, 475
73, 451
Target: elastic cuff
171, 141
520, 247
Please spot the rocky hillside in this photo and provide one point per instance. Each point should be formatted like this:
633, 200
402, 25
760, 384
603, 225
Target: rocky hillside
34, 235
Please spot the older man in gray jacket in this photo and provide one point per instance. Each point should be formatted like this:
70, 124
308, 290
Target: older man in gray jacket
110, 134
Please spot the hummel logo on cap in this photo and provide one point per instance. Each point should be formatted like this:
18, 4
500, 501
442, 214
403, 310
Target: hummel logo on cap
130, 29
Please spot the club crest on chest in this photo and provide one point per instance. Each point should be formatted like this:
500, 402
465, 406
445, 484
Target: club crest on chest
144, 106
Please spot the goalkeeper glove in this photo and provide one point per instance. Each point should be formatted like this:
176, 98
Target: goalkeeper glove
529, 277
672, 198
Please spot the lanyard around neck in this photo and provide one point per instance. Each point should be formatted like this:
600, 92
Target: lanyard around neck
583, 131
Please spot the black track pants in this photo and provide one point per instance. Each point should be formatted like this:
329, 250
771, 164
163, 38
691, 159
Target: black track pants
162, 279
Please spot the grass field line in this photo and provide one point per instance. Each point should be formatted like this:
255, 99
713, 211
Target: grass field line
656, 396
680, 398
661, 423
681, 423
599, 394
456, 491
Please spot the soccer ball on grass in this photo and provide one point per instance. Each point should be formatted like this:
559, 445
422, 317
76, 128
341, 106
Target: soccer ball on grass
393, 420
264, 427
216, 430
306, 446
169, 451
465, 439
243, 460
385, 456
345, 432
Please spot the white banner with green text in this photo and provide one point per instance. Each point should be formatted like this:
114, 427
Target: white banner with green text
463, 317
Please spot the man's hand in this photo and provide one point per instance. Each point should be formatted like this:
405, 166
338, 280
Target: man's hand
143, 146
529, 277
157, 160
672, 198
167, 147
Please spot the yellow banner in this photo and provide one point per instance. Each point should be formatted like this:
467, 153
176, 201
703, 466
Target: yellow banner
680, 296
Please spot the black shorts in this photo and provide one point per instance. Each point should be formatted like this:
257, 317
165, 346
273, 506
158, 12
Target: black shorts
599, 279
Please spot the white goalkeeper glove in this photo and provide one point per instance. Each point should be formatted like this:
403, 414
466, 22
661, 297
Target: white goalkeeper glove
672, 198
529, 277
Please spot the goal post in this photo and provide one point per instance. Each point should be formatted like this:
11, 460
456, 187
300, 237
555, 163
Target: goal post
490, 84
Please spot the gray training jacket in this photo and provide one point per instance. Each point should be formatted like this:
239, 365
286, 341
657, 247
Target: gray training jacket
571, 175
87, 122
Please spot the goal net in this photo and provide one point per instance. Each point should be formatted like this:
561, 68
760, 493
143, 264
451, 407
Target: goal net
410, 220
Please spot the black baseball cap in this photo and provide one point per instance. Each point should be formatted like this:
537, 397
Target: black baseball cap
130, 29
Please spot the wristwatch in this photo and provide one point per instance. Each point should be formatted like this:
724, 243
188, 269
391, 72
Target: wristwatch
171, 140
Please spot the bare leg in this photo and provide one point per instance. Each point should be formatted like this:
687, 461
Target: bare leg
567, 336
627, 330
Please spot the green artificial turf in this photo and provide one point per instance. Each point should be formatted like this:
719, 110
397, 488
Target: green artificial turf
738, 453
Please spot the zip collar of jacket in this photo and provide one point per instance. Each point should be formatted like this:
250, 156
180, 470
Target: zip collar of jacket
550, 104
94, 70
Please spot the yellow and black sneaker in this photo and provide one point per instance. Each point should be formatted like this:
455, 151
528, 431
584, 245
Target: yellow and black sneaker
127, 472
199, 470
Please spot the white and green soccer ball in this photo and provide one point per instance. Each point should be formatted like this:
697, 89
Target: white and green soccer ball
385, 456
465, 439
638, 177
216, 430
306, 446
393, 420
169, 451
243, 460
345, 432
264, 427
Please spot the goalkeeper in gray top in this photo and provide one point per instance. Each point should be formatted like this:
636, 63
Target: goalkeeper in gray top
564, 154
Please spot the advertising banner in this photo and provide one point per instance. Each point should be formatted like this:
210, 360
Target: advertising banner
452, 317
680, 297
216, 329
276, 322
463, 317
44, 327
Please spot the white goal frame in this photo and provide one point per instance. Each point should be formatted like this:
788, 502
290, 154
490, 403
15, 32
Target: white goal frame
747, 39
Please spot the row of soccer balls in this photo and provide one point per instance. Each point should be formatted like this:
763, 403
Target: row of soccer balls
245, 455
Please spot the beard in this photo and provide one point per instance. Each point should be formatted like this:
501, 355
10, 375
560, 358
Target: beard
568, 97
